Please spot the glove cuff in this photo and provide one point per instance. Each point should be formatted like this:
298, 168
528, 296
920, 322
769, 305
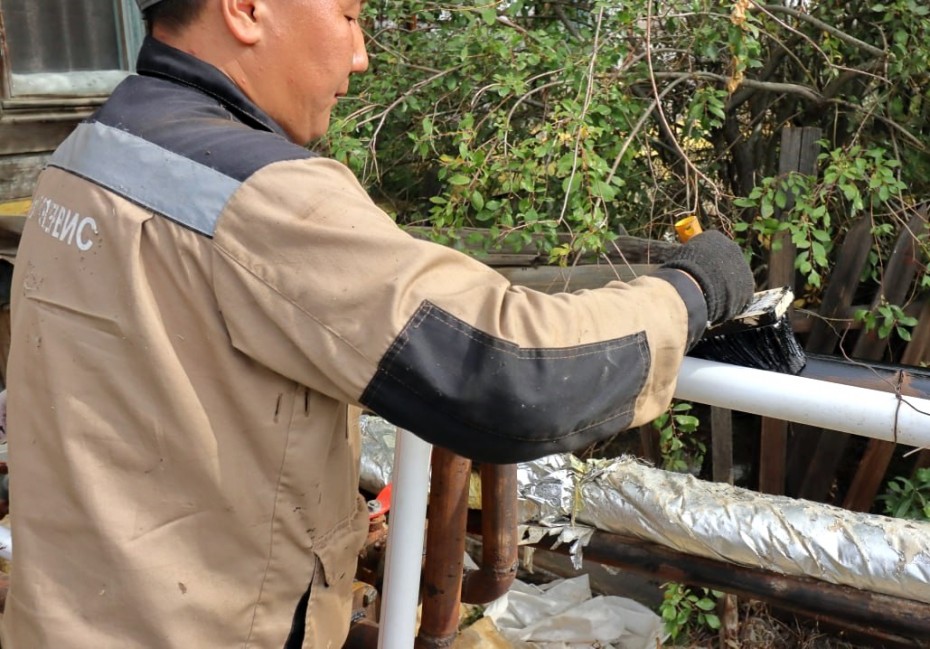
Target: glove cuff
715, 305
693, 298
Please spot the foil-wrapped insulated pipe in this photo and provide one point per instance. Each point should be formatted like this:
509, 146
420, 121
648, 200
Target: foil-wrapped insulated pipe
564, 495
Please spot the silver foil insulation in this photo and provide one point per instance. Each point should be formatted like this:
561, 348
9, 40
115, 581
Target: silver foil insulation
564, 497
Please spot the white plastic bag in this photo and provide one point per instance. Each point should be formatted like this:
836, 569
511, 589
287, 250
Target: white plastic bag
564, 615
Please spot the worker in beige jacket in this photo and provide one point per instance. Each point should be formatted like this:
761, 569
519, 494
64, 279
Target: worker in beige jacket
199, 300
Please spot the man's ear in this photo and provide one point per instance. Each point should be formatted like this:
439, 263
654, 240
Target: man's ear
244, 19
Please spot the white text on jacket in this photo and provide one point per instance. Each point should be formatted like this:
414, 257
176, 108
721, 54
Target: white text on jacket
63, 223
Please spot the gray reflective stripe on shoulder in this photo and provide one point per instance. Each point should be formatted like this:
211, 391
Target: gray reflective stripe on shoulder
184, 191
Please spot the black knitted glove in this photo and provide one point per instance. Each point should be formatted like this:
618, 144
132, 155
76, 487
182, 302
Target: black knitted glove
717, 264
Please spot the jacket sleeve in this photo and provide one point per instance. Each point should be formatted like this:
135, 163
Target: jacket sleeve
317, 284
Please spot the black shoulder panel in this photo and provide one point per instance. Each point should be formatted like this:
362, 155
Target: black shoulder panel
193, 125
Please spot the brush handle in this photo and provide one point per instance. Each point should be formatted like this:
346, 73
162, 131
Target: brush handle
765, 308
688, 227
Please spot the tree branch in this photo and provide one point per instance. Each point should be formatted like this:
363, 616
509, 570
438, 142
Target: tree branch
560, 12
833, 88
819, 24
767, 86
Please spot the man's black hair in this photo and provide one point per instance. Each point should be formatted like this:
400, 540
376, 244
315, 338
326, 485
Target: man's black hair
173, 14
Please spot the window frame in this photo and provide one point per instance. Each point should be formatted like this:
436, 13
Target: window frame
31, 127
130, 31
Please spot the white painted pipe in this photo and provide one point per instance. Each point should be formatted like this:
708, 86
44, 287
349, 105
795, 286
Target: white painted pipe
850, 409
846, 408
404, 549
6, 543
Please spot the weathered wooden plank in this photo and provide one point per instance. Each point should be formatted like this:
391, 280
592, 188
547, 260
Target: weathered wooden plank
553, 279
918, 350
878, 454
721, 423
722, 458
649, 444
830, 323
772, 456
33, 137
921, 340
18, 175
841, 288
798, 154
899, 274
624, 249
923, 460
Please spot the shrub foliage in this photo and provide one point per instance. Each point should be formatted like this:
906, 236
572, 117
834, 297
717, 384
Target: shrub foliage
530, 119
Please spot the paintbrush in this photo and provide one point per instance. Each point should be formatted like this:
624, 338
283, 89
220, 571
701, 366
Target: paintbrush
760, 337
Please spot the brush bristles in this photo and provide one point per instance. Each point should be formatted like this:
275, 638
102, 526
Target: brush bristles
772, 347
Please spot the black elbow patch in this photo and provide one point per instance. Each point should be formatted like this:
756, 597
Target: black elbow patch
493, 401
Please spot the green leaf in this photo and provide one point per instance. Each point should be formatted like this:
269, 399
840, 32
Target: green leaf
820, 254
821, 235
712, 621
706, 604
477, 200
781, 199
459, 180
766, 209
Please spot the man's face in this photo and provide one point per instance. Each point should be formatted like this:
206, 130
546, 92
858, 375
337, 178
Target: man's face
313, 47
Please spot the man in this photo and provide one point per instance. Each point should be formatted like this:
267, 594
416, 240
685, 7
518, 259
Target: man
199, 300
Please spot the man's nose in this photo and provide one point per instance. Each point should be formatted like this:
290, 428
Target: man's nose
360, 55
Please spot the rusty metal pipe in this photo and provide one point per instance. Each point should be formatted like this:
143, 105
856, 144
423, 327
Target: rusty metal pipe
362, 635
499, 550
445, 550
801, 595
907, 380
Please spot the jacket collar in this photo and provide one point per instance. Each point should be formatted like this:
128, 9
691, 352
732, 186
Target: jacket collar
156, 59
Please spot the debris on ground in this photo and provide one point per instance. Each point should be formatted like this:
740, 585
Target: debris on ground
563, 614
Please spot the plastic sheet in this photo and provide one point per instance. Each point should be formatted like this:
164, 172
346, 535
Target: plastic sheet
564, 614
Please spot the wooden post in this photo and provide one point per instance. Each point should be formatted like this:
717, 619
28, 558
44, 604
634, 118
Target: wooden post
874, 464
721, 426
826, 331
649, 445
899, 274
798, 154
722, 455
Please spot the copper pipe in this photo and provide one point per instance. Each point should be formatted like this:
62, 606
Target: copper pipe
362, 635
499, 551
445, 550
